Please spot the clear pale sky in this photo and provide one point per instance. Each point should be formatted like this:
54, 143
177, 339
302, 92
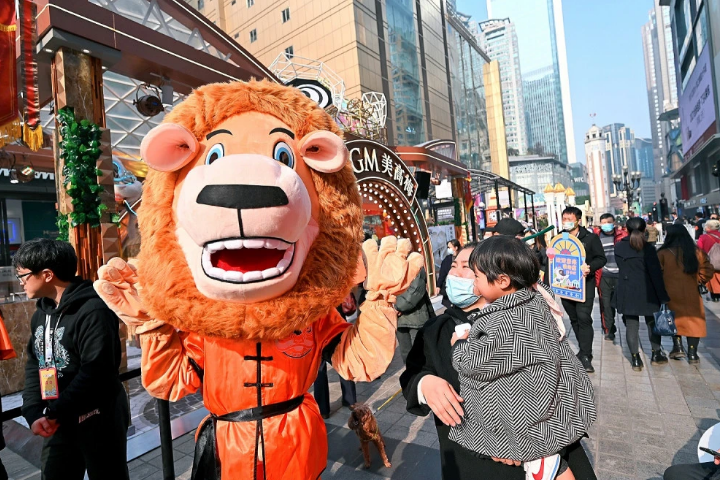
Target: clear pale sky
605, 62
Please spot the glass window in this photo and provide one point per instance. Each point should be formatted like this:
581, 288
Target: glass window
250, 3
201, 4
290, 51
253, 35
286, 15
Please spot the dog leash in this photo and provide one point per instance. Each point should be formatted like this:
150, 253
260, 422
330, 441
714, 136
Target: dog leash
389, 400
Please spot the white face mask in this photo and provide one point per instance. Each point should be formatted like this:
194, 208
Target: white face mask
568, 226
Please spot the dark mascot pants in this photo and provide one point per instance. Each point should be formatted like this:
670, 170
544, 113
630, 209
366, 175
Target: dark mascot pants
581, 319
98, 444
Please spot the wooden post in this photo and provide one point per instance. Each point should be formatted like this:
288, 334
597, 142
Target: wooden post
77, 83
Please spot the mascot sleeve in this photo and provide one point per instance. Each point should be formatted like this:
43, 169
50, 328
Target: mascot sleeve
361, 351
172, 361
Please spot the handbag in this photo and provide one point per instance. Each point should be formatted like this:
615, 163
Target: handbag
664, 322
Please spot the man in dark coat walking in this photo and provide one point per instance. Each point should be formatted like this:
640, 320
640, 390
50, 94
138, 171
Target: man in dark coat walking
580, 313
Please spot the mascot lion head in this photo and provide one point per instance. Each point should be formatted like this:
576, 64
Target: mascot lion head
251, 219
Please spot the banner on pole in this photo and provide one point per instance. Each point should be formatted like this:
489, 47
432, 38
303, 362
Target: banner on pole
10, 129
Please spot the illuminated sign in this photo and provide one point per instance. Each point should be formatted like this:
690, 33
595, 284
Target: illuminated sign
372, 160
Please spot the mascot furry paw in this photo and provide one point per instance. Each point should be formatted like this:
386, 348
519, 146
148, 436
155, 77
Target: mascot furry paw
251, 227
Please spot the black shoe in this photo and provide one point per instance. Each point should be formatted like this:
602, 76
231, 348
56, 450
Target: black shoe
586, 363
658, 358
346, 404
636, 362
325, 415
692, 355
610, 337
677, 351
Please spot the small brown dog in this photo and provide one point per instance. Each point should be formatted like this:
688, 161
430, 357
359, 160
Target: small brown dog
363, 423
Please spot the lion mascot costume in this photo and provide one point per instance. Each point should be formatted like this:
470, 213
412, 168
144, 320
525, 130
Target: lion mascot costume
251, 225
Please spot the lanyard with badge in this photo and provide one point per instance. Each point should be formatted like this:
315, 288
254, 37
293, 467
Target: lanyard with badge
48, 375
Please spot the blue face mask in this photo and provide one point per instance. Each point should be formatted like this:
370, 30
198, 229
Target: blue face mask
460, 291
607, 227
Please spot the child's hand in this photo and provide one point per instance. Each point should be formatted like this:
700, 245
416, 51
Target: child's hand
506, 461
455, 337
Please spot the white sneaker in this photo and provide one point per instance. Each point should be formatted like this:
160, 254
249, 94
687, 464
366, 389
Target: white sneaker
543, 468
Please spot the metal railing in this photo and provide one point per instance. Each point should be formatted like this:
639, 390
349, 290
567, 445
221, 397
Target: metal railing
163, 407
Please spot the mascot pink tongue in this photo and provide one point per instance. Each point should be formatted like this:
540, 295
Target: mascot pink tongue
251, 227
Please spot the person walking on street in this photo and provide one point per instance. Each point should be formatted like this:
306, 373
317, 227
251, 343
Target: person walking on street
73, 397
684, 267
652, 234
706, 242
640, 290
414, 309
699, 225
607, 277
580, 313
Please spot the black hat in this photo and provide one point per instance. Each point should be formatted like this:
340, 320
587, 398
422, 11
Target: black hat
509, 226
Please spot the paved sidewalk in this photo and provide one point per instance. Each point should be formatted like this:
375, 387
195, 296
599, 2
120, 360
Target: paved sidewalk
647, 421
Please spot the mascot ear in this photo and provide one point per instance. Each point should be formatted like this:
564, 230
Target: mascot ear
168, 147
324, 151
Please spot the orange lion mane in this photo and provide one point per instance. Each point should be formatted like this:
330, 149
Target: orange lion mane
168, 288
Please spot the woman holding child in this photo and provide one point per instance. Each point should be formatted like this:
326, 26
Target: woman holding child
431, 383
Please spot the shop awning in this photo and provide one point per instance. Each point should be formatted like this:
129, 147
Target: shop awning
482, 181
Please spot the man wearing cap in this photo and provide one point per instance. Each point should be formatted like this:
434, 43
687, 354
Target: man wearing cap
510, 227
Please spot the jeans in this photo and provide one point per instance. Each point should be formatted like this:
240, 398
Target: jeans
580, 314
322, 390
693, 471
406, 337
632, 324
607, 288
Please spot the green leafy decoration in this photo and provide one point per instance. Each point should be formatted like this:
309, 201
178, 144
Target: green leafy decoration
80, 149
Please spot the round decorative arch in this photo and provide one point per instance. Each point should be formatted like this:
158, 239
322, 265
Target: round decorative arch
388, 190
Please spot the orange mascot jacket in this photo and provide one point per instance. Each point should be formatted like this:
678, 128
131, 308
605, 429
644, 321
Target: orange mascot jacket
251, 224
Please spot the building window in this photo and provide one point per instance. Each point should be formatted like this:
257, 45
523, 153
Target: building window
236, 35
253, 35
286, 15
233, 2
201, 4
250, 3
289, 51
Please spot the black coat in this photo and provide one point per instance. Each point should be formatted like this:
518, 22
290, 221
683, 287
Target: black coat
594, 253
414, 303
640, 289
445, 267
431, 354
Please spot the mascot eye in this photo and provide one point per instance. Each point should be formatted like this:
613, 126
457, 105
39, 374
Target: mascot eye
284, 154
216, 152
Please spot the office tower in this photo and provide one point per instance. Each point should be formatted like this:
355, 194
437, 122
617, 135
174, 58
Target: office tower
660, 79
499, 41
541, 41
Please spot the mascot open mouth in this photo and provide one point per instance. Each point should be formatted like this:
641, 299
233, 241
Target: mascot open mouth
247, 260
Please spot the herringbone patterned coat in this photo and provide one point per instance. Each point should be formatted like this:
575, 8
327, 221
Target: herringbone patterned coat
526, 393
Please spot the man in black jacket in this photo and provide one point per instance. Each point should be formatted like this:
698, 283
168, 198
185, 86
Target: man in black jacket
580, 313
73, 397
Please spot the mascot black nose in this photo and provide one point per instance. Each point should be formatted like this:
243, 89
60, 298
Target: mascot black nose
242, 197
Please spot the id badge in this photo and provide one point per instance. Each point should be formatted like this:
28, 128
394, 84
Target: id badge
49, 383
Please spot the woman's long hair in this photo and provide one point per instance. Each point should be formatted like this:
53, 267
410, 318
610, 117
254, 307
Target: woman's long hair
636, 228
677, 236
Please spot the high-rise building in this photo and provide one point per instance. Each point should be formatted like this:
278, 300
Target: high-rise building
597, 172
541, 41
579, 180
696, 45
545, 131
419, 54
645, 157
660, 79
499, 40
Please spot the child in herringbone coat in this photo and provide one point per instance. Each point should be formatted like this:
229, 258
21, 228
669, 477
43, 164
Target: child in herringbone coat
526, 394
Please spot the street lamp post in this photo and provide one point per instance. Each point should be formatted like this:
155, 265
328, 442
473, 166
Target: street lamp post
629, 184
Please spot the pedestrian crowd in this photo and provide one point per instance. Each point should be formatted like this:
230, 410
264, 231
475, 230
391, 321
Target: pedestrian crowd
509, 396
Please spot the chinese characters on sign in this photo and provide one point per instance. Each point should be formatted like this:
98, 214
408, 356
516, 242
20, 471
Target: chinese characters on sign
374, 160
566, 254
